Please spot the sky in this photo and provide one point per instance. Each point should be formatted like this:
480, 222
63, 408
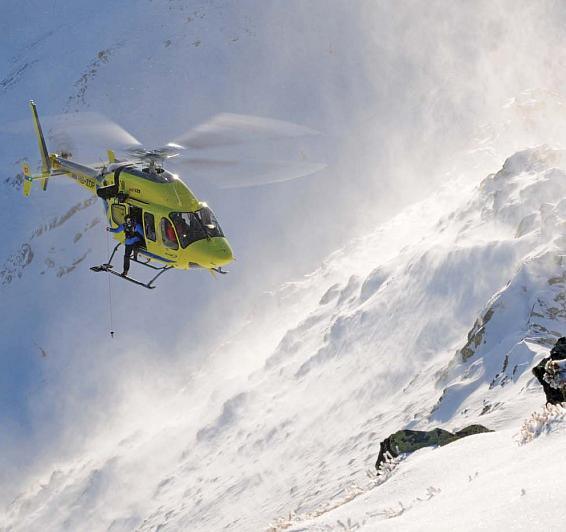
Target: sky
399, 91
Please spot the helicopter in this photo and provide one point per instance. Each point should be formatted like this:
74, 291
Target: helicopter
179, 230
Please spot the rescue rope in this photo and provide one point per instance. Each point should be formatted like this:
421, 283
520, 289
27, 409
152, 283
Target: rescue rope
109, 290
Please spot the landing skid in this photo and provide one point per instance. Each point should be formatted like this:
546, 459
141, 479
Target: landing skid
108, 268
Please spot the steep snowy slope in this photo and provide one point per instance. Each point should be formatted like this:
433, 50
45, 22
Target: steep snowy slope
201, 414
157, 67
360, 348
487, 482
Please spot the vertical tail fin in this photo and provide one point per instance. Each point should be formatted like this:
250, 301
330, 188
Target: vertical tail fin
45, 160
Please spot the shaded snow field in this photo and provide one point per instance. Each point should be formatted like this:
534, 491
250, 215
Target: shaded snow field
434, 319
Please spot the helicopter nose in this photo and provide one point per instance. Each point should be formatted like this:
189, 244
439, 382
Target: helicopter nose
211, 253
221, 254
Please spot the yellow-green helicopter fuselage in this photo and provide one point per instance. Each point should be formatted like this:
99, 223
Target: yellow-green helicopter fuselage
180, 231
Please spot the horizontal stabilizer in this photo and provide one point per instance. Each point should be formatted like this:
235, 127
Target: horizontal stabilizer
28, 179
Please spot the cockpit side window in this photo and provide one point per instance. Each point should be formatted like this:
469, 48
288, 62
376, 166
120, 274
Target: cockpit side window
188, 227
168, 234
194, 226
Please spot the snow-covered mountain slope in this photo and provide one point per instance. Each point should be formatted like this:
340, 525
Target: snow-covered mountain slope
433, 319
158, 68
497, 481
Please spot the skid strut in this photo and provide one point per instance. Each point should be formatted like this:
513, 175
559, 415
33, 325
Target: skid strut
107, 267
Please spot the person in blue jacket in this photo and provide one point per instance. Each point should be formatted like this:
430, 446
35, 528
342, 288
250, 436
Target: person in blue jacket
133, 231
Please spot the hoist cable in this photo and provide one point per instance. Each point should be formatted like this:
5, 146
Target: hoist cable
109, 290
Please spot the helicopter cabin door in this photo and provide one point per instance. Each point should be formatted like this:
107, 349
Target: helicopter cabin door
136, 214
118, 213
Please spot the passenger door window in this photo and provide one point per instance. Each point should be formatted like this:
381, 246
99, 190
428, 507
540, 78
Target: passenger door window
168, 234
149, 222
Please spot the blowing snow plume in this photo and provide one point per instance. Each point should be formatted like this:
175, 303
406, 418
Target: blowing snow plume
363, 345
294, 387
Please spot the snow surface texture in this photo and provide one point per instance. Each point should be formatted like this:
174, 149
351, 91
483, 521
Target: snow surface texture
259, 450
433, 319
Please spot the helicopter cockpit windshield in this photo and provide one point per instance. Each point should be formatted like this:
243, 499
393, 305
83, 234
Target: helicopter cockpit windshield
198, 225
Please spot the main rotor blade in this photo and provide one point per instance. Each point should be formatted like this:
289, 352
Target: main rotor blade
246, 173
227, 128
90, 127
84, 129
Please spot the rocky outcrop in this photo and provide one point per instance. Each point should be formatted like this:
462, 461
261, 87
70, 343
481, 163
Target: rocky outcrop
475, 336
15, 264
13, 267
408, 441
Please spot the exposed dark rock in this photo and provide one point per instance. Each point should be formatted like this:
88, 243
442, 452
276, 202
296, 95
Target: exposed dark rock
15, 75
555, 392
60, 220
475, 336
64, 270
408, 441
77, 100
13, 267
15, 182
